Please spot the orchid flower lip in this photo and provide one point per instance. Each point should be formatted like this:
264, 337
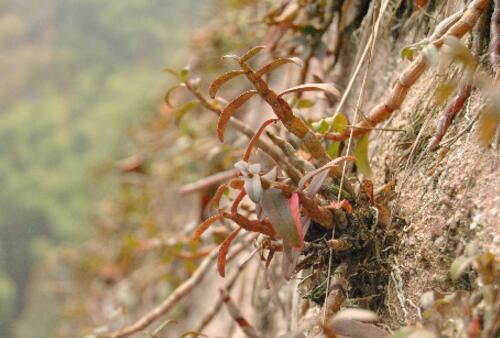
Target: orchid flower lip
246, 168
251, 178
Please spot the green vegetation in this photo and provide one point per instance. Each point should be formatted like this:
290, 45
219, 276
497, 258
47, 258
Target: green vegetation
75, 76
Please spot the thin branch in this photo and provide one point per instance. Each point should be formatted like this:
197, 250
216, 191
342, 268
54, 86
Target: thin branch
176, 296
449, 142
229, 285
209, 181
409, 161
452, 109
235, 313
375, 128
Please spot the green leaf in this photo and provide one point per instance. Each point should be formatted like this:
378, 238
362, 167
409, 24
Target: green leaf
333, 149
180, 112
361, 155
170, 91
251, 53
408, 53
459, 266
184, 74
321, 126
309, 30
171, 71
339, 122
304, 103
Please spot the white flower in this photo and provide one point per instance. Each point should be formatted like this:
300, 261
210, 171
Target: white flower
252, 185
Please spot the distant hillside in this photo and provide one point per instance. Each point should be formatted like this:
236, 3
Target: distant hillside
75, 76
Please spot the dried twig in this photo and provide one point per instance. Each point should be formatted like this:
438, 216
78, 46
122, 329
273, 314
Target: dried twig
177, 295
452, 109
409, 161
209, 181
449, 142
235, 313
228, 286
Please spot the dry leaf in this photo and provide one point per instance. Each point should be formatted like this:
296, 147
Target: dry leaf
255, 138
229, 111
224, 248
204, 226
220, 80
488, 124
277, 63
325, 87
251, 53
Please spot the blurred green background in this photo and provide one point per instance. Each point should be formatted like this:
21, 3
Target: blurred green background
76, 75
